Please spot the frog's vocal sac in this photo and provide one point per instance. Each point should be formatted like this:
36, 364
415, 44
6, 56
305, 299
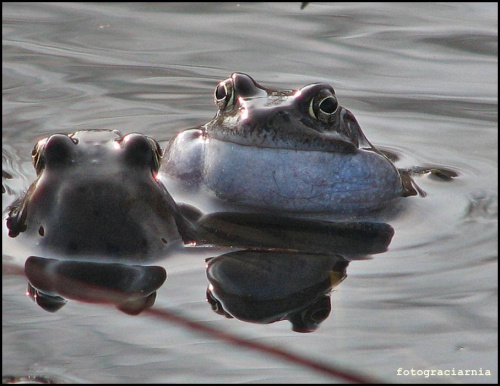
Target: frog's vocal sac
297, 151
97, 194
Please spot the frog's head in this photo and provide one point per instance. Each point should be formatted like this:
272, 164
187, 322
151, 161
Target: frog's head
309, 118
97, 193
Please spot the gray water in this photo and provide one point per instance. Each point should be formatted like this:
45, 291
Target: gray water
421, 80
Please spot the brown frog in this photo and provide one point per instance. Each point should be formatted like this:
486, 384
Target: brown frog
97, 194
297, 151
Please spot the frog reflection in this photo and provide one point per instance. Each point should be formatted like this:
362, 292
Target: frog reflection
97, 195
273, 231
298, 151
131, 288
268, 286
292, 275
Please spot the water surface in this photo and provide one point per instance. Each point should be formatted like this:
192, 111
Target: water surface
421, 80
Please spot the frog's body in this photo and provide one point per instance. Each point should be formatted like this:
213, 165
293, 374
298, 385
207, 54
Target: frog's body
97, 194
296, 151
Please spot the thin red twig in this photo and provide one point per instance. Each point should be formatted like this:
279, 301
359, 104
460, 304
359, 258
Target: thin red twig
277, 352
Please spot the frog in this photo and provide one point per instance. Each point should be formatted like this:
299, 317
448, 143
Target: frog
97, 195
282, 150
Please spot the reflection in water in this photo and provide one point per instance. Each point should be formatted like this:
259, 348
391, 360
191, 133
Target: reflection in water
286, 272
261, 230
292, 279
267, 286
131, 288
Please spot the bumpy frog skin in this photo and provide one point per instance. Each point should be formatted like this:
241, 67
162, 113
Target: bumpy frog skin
97, 194
297, 151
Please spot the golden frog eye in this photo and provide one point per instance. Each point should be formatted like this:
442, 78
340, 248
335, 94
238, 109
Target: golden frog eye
37, 155
324, 106
224, 94
157, 154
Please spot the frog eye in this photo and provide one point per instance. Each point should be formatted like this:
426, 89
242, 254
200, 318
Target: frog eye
324, 106
37, 155
142, 151
157, 153
224, 94
53, 151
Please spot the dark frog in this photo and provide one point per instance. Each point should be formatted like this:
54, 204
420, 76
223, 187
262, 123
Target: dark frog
97, 194
283, 150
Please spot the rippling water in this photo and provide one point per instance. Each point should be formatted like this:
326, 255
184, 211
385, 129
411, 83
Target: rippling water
420, 78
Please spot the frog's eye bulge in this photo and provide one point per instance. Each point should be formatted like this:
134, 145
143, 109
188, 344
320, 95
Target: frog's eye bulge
54, 151
324, 106
224, 94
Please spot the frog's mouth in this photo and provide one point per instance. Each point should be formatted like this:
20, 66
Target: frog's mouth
289, 138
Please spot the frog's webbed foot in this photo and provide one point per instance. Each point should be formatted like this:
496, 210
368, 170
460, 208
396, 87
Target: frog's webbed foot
410, 188
437, 172
16, 220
